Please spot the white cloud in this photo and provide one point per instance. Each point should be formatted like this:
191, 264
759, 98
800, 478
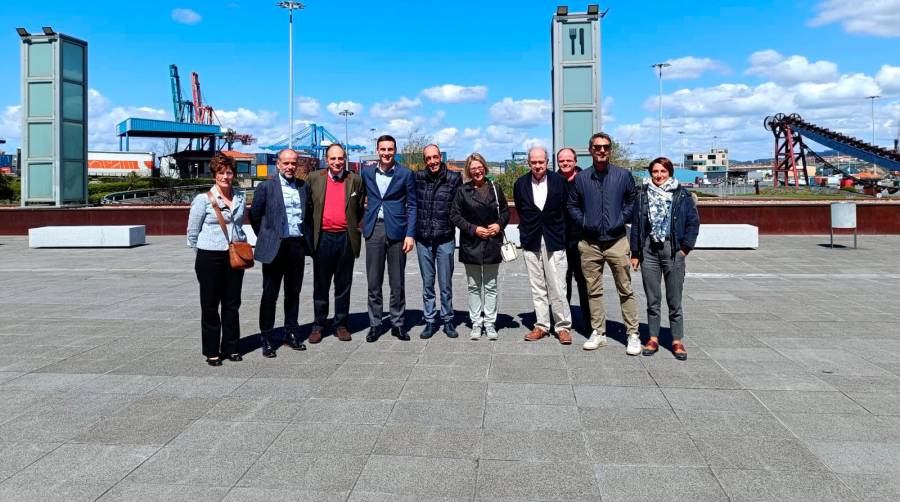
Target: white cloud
10, 124
690, 67
888, 78
847, 88
337, 108
103, 118
243, 119
790, 70
521, 113
734, 112
880, 18
308, 107
402, 128
446, 138
471, 132
395, 109
451, 93
186, 16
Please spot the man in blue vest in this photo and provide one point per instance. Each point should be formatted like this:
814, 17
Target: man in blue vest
436, 239
280, 217
389, 227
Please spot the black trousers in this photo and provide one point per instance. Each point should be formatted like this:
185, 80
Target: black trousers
574, 271
288, 265
220, 286
333, 261
380, 249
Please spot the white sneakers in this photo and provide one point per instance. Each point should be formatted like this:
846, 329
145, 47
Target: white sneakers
634, 345
595, 341
490, 331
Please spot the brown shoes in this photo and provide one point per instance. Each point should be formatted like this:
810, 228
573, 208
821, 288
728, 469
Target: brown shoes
342, 334
564, 337
535, 335
315, 336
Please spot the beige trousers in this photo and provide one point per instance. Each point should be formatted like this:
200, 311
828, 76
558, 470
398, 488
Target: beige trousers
547, 275
618, 255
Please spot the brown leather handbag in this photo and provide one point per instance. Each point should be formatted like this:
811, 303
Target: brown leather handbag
240, 254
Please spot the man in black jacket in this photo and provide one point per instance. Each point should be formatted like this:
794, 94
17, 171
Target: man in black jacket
436, 238
540, 199
602, 200
567, 167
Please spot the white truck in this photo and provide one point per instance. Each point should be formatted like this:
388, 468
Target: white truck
121, 163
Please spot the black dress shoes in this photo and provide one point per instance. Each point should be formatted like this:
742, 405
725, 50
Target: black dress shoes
294, 343
234, 357
428, 332
268, 348
400, 334
214, 362
373, 335
450, 330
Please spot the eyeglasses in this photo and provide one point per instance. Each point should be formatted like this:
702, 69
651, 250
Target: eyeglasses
601, 147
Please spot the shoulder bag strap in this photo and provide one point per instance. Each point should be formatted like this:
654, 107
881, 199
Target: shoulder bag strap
212, 202
497, 200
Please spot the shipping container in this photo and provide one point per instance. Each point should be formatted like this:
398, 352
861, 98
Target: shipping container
6, 160
120, 163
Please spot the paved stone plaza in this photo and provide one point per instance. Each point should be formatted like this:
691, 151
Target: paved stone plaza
791, 390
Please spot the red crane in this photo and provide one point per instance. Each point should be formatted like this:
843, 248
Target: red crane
203, 114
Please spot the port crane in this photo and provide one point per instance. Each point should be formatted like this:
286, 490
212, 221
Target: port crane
195, 111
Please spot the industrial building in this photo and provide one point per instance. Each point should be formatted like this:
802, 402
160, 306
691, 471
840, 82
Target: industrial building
713, 164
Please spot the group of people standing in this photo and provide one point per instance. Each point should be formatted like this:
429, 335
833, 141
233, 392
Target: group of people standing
572, 224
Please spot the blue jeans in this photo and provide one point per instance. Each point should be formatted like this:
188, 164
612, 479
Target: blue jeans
436, 259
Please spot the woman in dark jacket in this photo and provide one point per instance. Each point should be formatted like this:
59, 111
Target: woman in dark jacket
481, 212
664, 230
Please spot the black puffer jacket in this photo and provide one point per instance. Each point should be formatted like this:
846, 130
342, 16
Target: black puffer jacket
434, 196
470, 211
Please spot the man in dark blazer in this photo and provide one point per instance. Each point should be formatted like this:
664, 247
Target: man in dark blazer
338, 197
540, 198
566, 165
280, 217
389, 227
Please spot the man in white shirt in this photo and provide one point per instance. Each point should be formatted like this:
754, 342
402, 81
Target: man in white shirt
540, 198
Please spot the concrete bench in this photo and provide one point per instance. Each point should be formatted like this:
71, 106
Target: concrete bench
728, 236
87, 236
712, 236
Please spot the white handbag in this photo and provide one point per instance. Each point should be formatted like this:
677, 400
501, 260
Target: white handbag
508, 250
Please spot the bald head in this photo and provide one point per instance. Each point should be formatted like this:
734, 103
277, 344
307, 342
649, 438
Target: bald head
537, 160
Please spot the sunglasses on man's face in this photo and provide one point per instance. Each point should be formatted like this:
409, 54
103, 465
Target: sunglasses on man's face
601, 147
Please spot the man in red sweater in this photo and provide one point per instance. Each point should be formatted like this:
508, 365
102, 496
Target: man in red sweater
338, 197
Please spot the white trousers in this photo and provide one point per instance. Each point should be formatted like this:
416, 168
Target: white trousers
547, 274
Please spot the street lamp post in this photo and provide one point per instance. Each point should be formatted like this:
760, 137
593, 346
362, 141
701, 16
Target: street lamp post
683, 149
290, 6
872, 100
659, 68
374, 146
346, 114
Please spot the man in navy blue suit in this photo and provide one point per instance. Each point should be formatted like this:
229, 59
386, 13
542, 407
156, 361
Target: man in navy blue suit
389, 226
280, 216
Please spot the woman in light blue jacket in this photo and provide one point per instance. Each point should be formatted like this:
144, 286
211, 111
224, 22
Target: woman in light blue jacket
220, 285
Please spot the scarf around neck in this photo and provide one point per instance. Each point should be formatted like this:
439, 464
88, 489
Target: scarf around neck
659, 199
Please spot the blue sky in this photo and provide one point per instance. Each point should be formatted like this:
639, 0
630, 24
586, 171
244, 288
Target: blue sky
476, 75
